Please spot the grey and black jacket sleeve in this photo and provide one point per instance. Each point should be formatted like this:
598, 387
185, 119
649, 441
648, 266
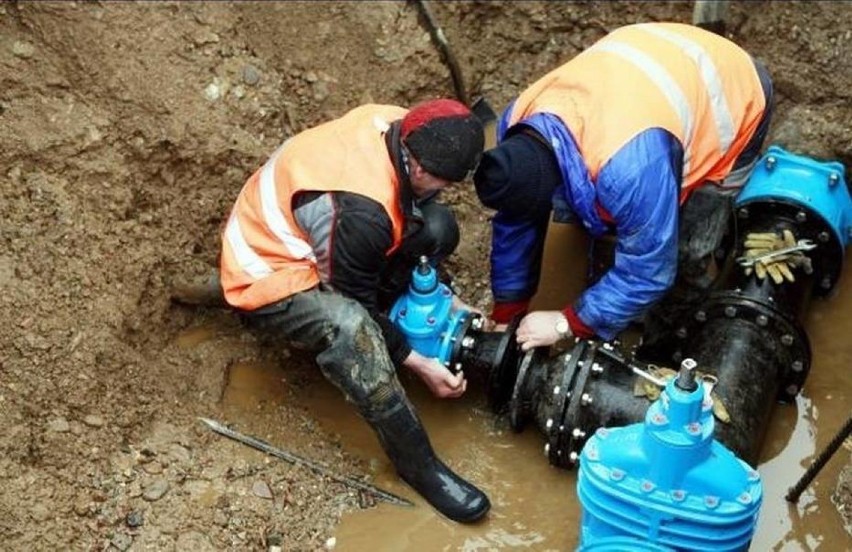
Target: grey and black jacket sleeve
351, 234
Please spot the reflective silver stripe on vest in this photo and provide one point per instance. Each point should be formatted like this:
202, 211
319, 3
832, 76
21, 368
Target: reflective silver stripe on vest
664, 82
712, 81
248, 260
274, 218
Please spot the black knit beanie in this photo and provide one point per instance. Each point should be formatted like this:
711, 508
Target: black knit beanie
445, 138
518, 177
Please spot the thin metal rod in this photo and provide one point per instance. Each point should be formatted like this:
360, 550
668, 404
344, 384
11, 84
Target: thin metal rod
643, 374
315, 467
820, 461
440, 41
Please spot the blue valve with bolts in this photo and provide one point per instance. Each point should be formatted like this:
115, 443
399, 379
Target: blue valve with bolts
667, 484
426, 317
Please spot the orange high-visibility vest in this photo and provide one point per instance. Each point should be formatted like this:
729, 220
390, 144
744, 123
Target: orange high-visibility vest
266, 257
700, 87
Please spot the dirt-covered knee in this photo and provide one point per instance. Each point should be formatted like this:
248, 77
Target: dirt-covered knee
357, 361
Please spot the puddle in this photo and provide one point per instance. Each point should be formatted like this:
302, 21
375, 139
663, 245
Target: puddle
535, 505
193, 337
798, 433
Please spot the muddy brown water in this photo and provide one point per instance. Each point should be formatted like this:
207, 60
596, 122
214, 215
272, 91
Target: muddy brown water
534, 504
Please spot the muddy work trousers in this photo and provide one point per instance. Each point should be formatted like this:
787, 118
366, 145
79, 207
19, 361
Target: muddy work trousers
348, 344
703, 227
350, 348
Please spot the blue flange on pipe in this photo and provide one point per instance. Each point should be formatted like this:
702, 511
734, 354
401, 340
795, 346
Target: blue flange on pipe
817, 185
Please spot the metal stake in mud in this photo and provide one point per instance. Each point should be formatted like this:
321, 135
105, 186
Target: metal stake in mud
315, 467
797, 489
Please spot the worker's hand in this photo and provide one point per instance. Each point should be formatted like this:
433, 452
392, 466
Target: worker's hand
538, 329
443, 383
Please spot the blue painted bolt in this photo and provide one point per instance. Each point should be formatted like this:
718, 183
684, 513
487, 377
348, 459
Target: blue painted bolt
616, 474
744, 498
694, 428
430, 320
833, 179
711, 501
678, 495
402, 313
647, 486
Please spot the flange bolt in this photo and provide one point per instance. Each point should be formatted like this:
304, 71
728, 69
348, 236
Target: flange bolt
833, 179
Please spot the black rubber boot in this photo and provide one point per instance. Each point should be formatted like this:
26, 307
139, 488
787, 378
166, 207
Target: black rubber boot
405, 441
202, 291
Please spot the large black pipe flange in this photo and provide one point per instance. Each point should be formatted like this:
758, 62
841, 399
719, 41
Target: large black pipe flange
529, 380
571, 394
759, 353
550, 410
575, 427
780, 337
495, 354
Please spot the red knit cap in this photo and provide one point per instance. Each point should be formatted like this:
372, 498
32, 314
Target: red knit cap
445, 138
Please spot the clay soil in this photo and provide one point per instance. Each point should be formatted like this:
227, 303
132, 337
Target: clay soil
126, 131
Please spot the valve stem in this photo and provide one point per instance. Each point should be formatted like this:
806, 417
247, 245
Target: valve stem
686, 376
423, 265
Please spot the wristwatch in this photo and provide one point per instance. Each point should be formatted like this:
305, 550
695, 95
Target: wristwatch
562, 327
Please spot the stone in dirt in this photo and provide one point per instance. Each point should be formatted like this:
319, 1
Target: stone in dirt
155, 490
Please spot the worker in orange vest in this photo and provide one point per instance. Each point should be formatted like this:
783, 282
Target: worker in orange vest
338, 214
617, 139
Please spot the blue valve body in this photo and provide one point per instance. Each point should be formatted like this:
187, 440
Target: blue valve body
666, 482
424, 315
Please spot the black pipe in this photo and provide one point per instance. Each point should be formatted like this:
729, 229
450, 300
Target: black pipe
744, 357
570, 395
748, 334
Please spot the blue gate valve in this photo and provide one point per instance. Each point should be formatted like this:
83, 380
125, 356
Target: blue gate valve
426, 317
667, 482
